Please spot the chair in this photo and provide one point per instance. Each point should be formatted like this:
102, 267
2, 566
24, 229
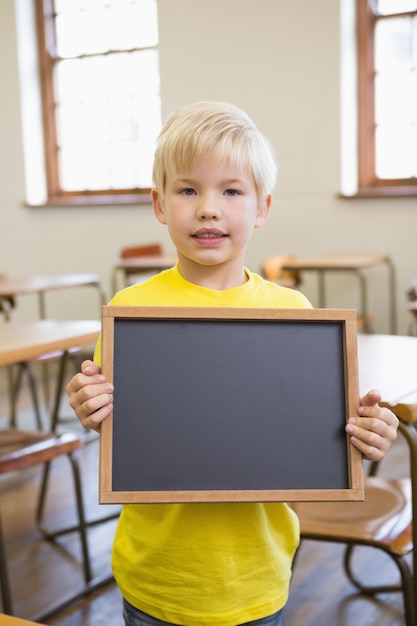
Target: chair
20, 450
272, 269
383, 521
147, 249
131, 275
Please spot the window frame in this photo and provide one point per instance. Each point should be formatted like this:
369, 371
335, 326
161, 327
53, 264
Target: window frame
56, 196
368, 183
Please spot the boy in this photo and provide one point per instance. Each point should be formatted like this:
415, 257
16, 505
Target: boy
210, 564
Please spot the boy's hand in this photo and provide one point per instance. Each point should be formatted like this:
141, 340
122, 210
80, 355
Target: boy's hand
90, 396
376, 428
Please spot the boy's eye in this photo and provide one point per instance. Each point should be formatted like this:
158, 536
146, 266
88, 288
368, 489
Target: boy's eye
231, 192
187, 192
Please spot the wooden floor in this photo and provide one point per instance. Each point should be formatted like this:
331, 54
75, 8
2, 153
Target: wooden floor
41, 573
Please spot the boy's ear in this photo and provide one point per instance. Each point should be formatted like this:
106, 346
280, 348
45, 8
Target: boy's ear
157, 207
263, 211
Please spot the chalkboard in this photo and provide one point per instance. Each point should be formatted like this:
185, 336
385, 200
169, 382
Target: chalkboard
216, 405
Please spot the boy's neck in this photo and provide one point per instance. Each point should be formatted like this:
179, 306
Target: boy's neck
214, 277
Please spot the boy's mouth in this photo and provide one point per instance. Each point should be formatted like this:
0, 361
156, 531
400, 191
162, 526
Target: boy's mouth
206, 233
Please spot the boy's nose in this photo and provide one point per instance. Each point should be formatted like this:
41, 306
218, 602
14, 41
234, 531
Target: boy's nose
208, 209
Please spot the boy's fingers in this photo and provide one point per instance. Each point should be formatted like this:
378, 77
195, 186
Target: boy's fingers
89, 368
371, 398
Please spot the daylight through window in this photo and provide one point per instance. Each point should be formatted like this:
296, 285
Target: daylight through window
101, 96
387, 61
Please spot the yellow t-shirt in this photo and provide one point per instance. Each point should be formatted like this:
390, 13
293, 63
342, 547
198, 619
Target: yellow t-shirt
206, 564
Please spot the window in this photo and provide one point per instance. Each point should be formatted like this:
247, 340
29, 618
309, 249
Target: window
101, 98
387, 91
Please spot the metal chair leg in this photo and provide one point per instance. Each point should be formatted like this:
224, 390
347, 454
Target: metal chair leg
82, 525
406, 586
90, 584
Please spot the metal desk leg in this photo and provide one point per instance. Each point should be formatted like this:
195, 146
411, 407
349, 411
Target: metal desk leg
15, 383
364, 301
4, 578
322, 290
392, 295
59, 390
114, 284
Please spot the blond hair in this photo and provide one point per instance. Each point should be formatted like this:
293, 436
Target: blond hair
221, 130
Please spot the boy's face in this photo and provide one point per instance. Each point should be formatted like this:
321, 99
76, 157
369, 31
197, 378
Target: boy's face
211, 212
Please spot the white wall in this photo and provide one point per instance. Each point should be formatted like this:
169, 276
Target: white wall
284, 71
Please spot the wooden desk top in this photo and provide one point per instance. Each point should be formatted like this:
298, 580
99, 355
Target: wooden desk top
22, 341
389, 364
336, 261
19, 285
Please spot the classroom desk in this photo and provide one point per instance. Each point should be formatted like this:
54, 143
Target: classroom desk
356, 264
389, 364
22, 341
139, 265
40, 284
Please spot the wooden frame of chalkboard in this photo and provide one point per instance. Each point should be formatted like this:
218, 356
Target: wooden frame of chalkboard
229, 405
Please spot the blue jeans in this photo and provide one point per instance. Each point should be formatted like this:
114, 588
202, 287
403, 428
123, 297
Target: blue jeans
134, 617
